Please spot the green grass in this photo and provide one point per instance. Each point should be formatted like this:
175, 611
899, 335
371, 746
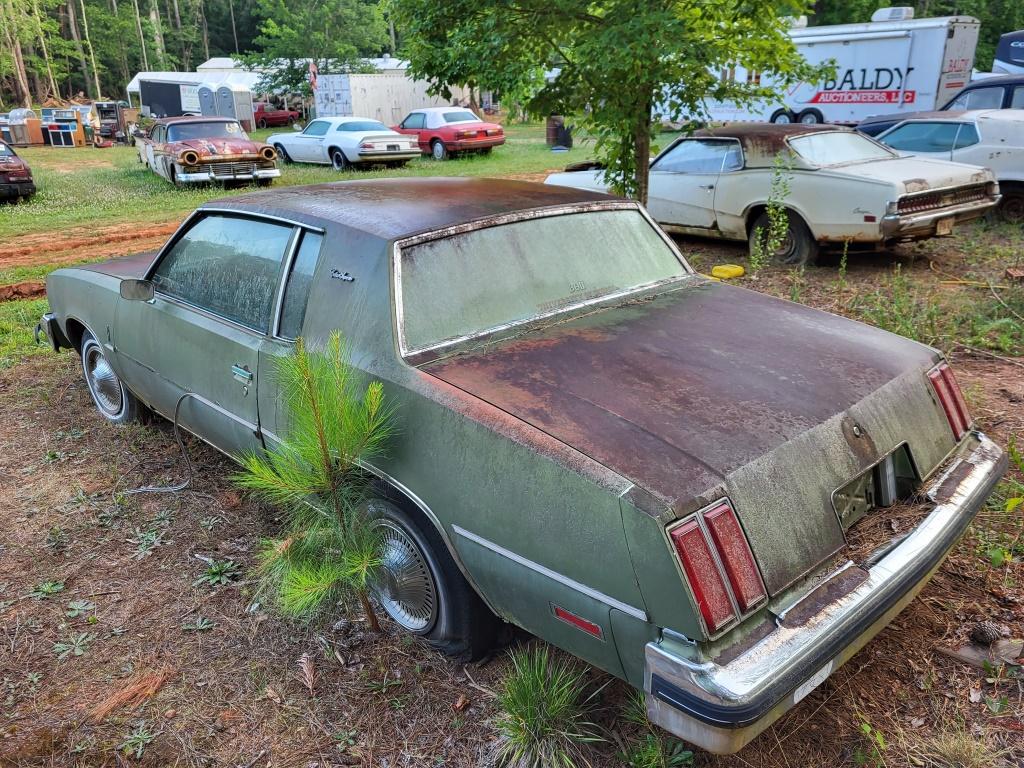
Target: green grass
17, 321
103, 187
10, 275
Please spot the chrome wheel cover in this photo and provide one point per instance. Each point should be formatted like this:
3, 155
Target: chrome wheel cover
105, 387
404, 584
438, 150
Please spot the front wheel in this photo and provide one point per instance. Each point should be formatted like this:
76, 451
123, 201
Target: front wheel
1011, 207
261, 123
795, 247
420, 587
109, 394
781, 116
438, 150
810, 117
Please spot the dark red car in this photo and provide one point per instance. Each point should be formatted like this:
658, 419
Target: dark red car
15, 176
446, 131
266, 115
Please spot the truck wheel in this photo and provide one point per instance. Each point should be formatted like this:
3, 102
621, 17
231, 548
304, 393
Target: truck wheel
420, 587
798, 247
810, 117
781, 116
338, 160
438, 150
110, 396
262, 123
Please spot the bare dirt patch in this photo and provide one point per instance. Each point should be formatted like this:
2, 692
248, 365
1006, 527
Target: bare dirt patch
81, 243
26, 290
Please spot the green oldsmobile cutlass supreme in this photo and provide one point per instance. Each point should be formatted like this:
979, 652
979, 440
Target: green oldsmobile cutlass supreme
657, 472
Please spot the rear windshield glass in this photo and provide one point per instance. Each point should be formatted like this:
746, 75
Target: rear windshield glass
363, 125
482, 280
462, 116
823, 149
205, 131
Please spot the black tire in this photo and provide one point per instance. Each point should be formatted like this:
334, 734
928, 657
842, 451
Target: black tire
109, 394
1011, 207
798, 246
261, 124
783, 116
438, 150
264, 182
459, 624
338, 160
174, 177
810, 117
283, 154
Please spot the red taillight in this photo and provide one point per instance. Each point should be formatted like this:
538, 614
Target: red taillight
737, 559
951, 399
702, 574
366, 145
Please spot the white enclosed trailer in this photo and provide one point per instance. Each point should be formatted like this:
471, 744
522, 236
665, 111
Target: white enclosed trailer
384, 97
883, 66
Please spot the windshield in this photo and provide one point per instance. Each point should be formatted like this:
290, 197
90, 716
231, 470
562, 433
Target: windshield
363, 125
6, 151
478, 281
461, 116
824, 149
186, 131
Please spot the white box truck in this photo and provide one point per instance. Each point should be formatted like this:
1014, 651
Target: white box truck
384, 97
894, 63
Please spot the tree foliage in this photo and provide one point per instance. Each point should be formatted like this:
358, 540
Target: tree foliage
315, 476
623, 63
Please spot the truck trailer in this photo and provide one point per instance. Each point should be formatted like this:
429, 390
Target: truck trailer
894, 63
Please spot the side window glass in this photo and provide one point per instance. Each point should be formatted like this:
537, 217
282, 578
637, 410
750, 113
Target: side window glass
979, 98
733, 158
696, 156
967, 136
227, 265
317, 128
1017, 100
416, 120
923, 137
296, 290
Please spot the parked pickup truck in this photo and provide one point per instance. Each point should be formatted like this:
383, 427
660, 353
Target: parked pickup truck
841, 188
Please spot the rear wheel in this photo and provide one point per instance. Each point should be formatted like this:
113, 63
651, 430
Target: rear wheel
438, 150
796, 246
338, 160
420, 587
810, 117
110, 396
781, 116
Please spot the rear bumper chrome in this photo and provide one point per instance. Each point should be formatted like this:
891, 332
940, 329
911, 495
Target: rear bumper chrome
895, 225
722, 707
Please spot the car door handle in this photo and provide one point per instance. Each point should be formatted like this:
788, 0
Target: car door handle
242, 373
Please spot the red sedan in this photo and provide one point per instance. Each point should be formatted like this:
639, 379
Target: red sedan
446, 131
266, 115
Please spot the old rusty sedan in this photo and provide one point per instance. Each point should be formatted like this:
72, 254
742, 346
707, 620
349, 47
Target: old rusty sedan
680, 481
198, 150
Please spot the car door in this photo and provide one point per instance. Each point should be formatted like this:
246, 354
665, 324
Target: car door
923, 137
194, 348
682, 182
287, 326
155, 139
415, 124
309, 145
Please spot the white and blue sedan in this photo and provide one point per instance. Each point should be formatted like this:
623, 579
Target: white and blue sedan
345, 141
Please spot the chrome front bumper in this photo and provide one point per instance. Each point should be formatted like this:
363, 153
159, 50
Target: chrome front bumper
205, 176
722, 707
895, 225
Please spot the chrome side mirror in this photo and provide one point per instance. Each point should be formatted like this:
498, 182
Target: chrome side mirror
137, 290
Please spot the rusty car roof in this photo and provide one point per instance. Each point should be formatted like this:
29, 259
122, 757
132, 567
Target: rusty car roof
763, 141
194, 119
397, 208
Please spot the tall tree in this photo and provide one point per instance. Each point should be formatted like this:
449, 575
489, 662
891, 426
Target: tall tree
623, 63
92, 53
335, 34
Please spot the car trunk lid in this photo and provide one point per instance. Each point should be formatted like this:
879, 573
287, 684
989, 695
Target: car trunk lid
710, 391
917, 174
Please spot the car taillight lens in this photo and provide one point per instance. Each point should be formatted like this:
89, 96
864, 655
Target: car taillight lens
702, 574
366, 145
736, 557
951, 399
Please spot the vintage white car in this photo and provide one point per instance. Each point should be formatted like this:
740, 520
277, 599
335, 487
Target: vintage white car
993, 138
343, 142
843, 188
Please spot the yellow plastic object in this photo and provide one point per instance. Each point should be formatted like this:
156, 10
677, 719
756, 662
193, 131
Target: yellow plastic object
727, 271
